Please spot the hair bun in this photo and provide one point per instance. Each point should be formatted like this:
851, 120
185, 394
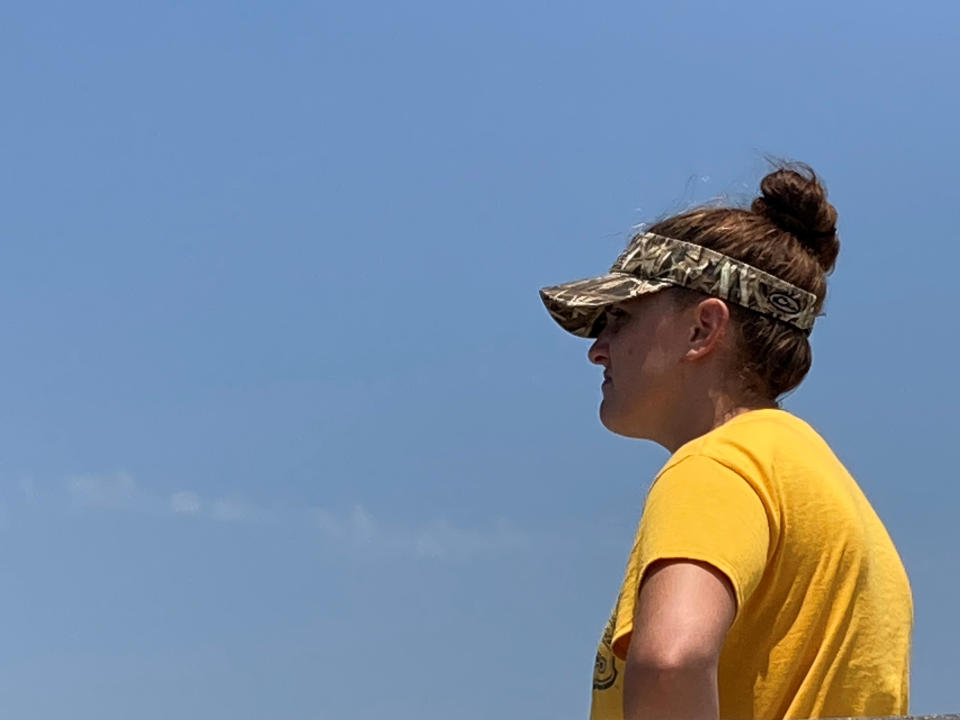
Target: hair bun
795, 201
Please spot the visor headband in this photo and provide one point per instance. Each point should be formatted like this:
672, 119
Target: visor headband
656, 257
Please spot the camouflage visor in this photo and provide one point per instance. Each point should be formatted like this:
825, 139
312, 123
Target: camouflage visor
653, 262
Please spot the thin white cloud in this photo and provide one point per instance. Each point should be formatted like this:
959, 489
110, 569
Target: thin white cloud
356, 526
358, 529
29, 489
327, 523
185, 502
353, 530
363, 525
120, 491
103, 491
230, 510
445, 540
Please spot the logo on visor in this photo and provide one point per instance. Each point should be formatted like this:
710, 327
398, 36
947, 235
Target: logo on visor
785, 303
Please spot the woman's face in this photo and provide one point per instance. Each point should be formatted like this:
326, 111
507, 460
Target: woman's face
640, 349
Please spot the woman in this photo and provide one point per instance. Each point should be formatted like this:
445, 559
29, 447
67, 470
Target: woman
761, 583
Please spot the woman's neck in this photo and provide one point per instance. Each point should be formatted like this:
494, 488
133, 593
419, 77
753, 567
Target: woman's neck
699, 418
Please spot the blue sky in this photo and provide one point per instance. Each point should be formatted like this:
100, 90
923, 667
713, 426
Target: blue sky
286, 432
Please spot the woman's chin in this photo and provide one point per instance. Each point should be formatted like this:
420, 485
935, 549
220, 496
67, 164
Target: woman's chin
610, 418
619, 423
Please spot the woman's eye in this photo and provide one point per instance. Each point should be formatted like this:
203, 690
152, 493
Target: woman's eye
615, 317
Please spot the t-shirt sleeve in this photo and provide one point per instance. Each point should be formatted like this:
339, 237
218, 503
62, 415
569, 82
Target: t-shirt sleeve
697, 509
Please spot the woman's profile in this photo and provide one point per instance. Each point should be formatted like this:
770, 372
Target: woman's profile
761, 583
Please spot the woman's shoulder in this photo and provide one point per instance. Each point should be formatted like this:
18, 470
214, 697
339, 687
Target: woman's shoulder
755, 442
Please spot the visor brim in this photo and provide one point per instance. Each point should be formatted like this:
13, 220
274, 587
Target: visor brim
577, 306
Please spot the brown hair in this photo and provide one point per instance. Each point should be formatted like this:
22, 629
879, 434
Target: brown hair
789, 231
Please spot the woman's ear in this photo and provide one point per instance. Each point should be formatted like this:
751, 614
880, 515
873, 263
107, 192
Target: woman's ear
709, 322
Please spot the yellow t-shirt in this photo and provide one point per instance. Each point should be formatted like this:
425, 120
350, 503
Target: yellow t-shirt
824, 609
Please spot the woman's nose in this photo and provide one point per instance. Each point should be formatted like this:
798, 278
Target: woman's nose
599, 352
